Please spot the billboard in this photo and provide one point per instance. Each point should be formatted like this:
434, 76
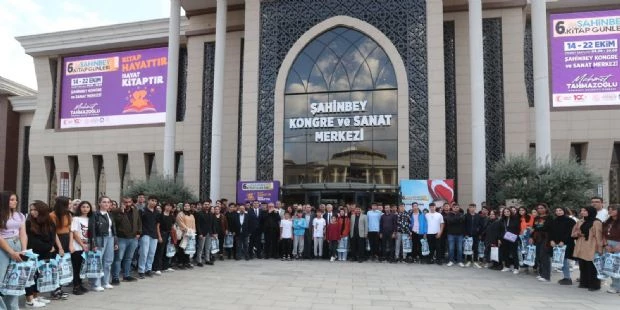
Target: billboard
584, 59
263, 191
426, 191
114, 89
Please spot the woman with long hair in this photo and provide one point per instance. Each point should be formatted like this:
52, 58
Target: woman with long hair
187, 223
589, 234
560, 230
79, 243
13, 240
540, 238
102, 232
526, 220
62, 220
43, 241
611, 241
508, 247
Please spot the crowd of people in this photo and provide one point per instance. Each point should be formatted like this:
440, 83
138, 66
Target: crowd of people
141, 234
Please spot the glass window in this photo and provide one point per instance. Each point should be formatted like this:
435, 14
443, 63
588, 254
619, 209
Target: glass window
343, 85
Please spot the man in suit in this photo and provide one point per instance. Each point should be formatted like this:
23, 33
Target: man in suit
271, 229
328, 215
255, 218
241, 229
308, 242
358, 234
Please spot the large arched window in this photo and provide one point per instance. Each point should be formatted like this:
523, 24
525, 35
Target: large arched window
340, 112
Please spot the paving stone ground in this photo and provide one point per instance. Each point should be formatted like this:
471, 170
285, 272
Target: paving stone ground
273, 284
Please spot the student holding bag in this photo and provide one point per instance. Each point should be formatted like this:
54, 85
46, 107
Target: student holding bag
42, 239
13, 240
79, 243
103, 237
508, 246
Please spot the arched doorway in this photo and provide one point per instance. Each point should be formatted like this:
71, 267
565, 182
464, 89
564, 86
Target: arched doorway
340, 135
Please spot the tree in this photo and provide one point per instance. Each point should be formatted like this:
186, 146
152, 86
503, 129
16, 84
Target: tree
166, 190
564, 183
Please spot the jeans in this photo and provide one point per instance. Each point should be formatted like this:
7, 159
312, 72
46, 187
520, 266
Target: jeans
342, 256
318, 246
204, 247
615, 283
126, 249
398, 245
106, 244
375, 243
455, 248
543, 260
242, 247
148, 246
566, 269
298, 245
8, 302
387, 245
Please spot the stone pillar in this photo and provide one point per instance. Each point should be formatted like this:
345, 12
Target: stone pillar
476, 69
541, 81
174, 30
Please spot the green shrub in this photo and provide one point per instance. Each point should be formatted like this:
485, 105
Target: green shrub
166, 190
564, 183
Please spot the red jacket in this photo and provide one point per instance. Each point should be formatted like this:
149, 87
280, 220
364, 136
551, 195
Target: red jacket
333, 232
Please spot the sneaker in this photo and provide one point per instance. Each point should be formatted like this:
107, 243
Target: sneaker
461, 265
98, 289
43, 300
83, 289
141, 276
169, 270
468, 264
505, 269
34, 304
282, 259
450, 264
516, 271
332, 259
543, 280
158, 273
199, 265
565, 281
210, 263
538, 277
149, 274
115, 282
477, 265
612, 291
77, 291
108, 287
130, 279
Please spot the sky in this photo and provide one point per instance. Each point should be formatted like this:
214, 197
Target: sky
27, 17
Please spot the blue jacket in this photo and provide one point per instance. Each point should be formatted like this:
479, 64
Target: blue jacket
299, 226
423, 226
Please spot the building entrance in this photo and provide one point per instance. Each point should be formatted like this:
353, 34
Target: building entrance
362, 198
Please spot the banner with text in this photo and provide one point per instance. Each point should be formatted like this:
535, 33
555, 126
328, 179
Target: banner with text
114, 89
584, 59
263, 191
426, 191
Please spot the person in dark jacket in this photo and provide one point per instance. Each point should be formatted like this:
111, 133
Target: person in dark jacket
42, 239
255, 218
455, 228
242, 232
387, 232
103, 237
271, 228
540, 238
508, 246
491, 236
230, 214
560, 230
472, 229
205, 230
128, 228
220, 229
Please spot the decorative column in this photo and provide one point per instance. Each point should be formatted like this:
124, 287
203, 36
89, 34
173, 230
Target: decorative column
218, 98
174, 32
541, 81
476, 71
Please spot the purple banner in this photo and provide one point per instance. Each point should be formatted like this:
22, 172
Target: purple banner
584, 59
114, 89
263, 191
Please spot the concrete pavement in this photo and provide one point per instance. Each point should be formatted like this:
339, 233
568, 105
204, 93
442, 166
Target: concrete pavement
273, 284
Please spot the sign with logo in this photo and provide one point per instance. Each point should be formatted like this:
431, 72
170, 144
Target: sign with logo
114, 89
584, 59
426, 191
263, 191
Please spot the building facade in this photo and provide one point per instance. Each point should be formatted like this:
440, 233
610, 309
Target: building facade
338, 100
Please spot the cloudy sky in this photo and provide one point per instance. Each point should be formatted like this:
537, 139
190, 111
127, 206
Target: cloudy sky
26, 17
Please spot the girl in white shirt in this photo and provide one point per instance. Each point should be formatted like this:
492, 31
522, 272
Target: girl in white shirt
286, 236
78, 243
